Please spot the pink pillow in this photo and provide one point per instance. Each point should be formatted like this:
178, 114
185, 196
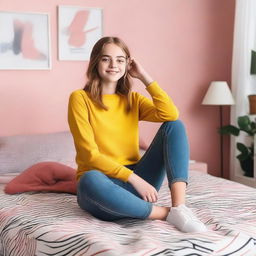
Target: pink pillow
44, 176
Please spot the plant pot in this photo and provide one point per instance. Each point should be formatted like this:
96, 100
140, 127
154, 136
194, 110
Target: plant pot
247, 166
252, 104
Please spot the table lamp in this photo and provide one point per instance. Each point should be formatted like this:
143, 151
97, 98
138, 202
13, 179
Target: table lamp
219, 94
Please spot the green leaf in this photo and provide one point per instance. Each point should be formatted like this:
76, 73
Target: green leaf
243, 121
251, 150
229, 129
242, 148
244, 124
241, 157
253, 125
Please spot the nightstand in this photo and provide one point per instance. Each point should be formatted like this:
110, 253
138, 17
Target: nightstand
198, 166
193, 165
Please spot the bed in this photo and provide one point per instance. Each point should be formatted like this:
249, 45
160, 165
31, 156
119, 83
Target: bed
48, 223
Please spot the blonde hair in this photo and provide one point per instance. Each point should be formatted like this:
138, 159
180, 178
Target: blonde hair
93, 85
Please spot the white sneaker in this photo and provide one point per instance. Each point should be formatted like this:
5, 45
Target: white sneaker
185, 220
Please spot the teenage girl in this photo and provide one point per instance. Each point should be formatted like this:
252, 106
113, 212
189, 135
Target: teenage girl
113, 181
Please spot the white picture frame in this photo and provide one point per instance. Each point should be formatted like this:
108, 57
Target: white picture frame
24, 41
79, 28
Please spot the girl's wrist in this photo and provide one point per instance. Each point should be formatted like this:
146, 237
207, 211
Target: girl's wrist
146, 80
133, 177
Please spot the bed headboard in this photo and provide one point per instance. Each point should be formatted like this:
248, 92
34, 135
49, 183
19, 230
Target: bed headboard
21, 151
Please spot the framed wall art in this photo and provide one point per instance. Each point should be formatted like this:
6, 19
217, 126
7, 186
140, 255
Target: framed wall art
24, 41
79, 29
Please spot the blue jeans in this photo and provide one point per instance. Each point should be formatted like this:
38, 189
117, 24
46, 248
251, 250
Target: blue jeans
111, 199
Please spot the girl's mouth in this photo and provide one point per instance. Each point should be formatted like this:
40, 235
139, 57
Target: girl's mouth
111, 72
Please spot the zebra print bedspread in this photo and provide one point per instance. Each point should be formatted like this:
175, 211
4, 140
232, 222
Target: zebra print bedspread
53, 224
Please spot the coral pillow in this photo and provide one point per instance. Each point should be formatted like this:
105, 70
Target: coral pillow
44, 176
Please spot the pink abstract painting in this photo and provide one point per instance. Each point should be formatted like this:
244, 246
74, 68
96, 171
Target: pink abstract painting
77, 33
24, 41
79, 28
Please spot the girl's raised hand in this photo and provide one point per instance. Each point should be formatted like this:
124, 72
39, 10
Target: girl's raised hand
136, 70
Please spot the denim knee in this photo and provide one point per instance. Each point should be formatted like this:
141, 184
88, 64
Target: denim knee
89, 180
91, 175
177, 124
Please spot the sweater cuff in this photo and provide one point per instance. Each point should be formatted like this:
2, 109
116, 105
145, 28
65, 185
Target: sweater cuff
126, 172
153, 88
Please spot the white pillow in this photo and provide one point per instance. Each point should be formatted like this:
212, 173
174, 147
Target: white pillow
19, 152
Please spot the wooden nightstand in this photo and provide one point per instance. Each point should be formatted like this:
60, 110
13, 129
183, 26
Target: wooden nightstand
193, 165
198, 166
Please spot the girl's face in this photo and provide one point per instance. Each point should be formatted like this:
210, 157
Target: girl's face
112, 64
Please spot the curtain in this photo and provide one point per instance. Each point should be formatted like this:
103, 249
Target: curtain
242, 82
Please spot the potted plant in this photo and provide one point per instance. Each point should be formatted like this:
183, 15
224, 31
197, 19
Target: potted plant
246, 152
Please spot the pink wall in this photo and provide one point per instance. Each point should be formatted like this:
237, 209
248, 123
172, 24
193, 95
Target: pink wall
183, 44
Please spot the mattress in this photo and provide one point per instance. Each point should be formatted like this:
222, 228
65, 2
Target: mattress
53, 224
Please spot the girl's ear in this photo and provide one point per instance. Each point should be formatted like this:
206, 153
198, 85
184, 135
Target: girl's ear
129, 61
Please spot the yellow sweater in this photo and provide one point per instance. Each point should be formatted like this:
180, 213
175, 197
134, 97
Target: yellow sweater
108, 140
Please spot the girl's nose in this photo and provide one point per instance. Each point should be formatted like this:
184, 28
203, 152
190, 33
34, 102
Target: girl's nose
112, 63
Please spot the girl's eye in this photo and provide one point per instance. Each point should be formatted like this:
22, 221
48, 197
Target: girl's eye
106, 59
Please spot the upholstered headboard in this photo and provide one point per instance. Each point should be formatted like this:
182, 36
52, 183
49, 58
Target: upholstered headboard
21, 151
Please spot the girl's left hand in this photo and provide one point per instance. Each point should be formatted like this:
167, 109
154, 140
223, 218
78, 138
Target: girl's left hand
136, 70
